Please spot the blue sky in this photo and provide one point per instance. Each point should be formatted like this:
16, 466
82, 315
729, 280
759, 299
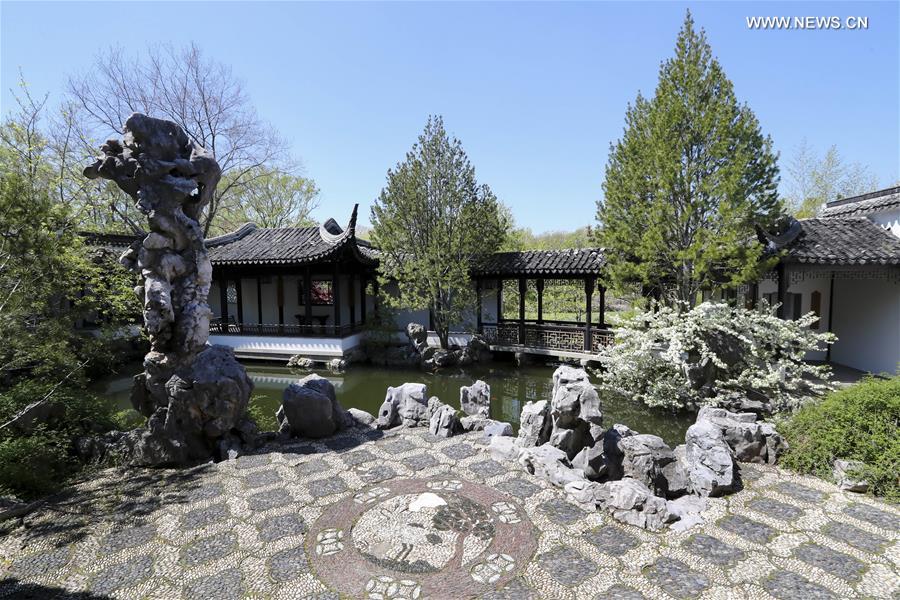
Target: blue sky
536, 92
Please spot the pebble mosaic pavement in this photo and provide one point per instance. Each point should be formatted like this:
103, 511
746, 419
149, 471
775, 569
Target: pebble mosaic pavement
306, 520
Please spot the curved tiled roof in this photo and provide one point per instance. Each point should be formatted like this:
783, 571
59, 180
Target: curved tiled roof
252, 245
887, 199
841, 241
577, 261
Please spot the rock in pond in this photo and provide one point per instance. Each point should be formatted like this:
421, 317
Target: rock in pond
309, 408
475, 399
444, 422
406, 404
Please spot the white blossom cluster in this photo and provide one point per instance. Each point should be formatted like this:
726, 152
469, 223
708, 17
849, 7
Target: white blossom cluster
655, 351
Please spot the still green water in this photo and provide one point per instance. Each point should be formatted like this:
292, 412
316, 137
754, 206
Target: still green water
364, 387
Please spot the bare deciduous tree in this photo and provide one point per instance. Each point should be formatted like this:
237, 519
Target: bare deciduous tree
815, 179
201, 95
275, 199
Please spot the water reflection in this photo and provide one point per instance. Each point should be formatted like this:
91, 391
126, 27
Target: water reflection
511, 387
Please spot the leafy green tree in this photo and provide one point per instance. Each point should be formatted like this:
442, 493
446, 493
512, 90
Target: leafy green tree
687, 181
432, 222
271, 198
50, 281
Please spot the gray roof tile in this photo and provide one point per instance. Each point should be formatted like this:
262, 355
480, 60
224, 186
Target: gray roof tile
842, 241
887, 199
579, 261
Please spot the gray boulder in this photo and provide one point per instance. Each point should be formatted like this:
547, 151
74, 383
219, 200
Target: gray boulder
406, 404
574, 411
630, 501
475, 422
418, 336
497, 428
689, 511
612, 450
677, 481
591, 461
627, 500
550, 464
644, 457
534, 424
709, 461
444, 422
846, 475
750, 440
309, 408
475, 399
589, 494
361, 417
301, 362
504, 448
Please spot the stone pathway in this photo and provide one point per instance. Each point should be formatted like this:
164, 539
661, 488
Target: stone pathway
411, 516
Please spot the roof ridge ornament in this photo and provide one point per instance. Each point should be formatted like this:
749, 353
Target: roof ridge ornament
332, 233
232, 236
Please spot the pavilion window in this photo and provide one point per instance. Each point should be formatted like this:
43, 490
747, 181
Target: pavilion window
231, 293
815, 305
321, 292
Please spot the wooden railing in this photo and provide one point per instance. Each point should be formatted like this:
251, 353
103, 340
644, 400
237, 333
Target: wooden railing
218, 327
570, 337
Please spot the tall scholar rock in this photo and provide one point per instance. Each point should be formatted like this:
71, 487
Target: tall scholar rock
195, 395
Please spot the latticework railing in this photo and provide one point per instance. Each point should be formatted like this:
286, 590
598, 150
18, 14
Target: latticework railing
546, 336
219, 327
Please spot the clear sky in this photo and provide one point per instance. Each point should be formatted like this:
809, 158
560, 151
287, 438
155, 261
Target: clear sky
536, 92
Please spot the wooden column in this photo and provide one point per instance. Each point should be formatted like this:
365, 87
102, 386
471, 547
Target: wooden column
588, 293
499, 300
336, 296
362, 299
280, 295
351, 282
830, 316
523, 286
375, 287
478, 327
307, 298
601, 320
782, 290
540, 291
259, 299
238, 285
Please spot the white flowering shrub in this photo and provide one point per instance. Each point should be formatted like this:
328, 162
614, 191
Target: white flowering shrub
676, 359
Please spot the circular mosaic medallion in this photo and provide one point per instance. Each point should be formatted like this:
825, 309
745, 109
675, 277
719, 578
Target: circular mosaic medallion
414, 537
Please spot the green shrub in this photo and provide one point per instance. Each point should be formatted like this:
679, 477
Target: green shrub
860, 423
41, 461
35, 465
128, 419
262, 416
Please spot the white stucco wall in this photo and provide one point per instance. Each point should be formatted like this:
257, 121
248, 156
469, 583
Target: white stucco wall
288, 346
817, 280
867, 323
866, 315
889, 219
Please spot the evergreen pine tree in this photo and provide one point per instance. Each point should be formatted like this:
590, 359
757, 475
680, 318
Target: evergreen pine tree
685, 185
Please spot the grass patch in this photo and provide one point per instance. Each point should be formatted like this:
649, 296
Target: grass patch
860, 422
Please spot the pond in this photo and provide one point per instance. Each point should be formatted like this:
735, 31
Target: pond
364, 387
